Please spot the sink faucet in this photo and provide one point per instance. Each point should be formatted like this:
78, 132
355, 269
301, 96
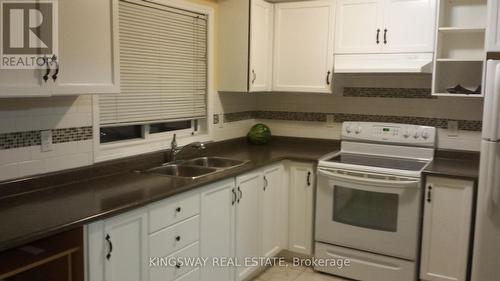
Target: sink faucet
174, 148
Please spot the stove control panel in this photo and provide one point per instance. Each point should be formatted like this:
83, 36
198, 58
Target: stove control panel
391, 133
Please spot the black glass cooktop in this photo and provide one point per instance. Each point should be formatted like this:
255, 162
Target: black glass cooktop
379, 161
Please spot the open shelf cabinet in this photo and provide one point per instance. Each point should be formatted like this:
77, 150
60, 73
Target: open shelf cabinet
460, 46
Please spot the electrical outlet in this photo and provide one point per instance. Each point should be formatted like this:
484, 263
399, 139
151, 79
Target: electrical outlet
330, 120
452, 128
46, 141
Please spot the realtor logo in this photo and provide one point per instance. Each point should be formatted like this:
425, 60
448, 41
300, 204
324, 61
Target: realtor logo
29, 37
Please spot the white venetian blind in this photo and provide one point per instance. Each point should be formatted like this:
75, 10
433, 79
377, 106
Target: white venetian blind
163, 65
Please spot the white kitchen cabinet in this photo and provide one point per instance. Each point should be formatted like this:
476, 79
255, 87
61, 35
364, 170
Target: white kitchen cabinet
248, 222
358, 27
303, 46
261, 42
409, 26
87, 55
446, 229
245, 45
301, 209
218, 207
117, 248
493, 27
272, 210
385, 26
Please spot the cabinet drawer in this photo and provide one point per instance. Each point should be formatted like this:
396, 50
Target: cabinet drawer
191, 276
365, 266
170, 272
173, 210
175, 237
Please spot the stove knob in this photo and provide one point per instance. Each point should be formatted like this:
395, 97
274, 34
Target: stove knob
348, 129
358, 130
407, 133
417, 134
426, 134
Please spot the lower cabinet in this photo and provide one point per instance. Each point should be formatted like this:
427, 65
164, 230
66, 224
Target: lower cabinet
218, 210
248, 222
243, 217
448, 209
117, 248
301, 208
271, 210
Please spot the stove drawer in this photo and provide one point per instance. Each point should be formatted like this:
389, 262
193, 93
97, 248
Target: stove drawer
365, 266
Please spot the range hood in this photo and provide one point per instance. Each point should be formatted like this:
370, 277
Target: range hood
384, 63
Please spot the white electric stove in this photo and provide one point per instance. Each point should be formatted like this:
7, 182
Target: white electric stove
368, 200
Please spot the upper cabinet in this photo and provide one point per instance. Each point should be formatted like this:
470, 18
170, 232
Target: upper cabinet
303, 46
359, 25
409, 26
87, 54
385, 36
267, 47
240, 66
261, 39
385, 26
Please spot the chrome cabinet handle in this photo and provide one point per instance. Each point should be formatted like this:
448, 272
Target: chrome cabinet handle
254, 76
308, 178
110, 244
328, 77
54, 76
265, 183
385, 36
429, 194
378, 34
240, 194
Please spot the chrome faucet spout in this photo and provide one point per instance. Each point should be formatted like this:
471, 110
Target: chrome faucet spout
175, 149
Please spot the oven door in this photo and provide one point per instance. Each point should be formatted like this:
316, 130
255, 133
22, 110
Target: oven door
370, 212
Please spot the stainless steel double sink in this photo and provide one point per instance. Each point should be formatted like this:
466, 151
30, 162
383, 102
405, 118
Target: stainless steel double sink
196, 167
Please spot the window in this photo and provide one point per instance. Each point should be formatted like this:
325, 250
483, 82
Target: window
163, 72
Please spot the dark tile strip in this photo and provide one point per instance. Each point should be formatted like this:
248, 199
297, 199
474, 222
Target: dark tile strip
468, 125
409, 93
238, 116
32, 138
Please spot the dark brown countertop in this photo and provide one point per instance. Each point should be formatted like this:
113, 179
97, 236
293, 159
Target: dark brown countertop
456, 164
45, 205
38, 207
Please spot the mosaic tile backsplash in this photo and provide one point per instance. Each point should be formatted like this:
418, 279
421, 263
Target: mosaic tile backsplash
468, 125
407, 93
32, 138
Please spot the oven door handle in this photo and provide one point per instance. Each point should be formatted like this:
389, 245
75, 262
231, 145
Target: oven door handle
365, 180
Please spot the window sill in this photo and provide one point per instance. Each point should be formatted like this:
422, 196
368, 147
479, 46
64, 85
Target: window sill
112, 151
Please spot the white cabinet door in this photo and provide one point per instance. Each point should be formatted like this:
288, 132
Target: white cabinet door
88, 47
493, 27
446, 229
303, 46
301, 185
248, 223
271, 210
117, 248
409, 26
87, 54
218, 228
359, 26
261, 43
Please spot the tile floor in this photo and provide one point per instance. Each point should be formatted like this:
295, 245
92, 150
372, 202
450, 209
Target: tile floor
294, 273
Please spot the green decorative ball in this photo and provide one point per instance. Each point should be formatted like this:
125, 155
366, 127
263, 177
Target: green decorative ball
259, 134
